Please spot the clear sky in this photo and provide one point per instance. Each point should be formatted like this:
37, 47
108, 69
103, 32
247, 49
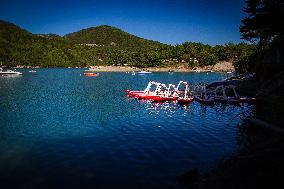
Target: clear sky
168, 21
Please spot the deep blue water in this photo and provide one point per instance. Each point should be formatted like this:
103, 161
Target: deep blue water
59, 129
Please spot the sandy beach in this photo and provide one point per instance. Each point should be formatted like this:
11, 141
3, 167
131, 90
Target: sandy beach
219, 67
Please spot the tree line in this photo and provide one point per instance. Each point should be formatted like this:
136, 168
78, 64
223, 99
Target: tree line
19, 47
262, 26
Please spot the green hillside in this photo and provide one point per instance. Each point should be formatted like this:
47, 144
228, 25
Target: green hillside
113, 46
109, 37
105, 45
12, 37
20, 47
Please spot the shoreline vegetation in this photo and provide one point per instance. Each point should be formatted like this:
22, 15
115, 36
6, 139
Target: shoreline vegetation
106, 46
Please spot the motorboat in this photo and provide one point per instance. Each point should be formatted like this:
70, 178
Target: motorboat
91, 74
9, 73
144, 72
32, 71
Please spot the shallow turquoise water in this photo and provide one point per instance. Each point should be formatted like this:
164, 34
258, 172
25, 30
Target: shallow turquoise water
61, 129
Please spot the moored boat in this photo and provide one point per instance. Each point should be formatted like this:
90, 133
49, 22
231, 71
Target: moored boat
185, 95
9, 73
207, 100
91, 74
185, 101
204, 97
228, 100
226, 94
156, 91
166, 94
243, 99
144, 72
149, 90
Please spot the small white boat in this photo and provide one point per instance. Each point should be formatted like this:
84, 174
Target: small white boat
9, 72
144, 72
32, 71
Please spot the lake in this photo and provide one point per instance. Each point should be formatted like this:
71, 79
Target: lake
59, 129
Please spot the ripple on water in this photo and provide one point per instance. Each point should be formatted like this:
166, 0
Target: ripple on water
62, 123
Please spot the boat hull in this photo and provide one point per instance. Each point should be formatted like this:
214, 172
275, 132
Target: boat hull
226, 101
247, 100
163, 99
11, 74
185, 101
204, 101
89, 74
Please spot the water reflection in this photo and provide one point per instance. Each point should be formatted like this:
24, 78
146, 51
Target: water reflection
84, 130
160, 108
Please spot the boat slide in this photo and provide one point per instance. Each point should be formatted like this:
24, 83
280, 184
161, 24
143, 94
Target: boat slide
159, 92
156, 91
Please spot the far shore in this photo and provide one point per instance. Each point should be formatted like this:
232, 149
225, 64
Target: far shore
219, 67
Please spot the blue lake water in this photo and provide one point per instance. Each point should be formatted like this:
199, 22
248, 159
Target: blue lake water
59, 129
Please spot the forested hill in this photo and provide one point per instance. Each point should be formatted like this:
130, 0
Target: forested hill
106, 45
109, 36
7, 27
102, 45
10, 34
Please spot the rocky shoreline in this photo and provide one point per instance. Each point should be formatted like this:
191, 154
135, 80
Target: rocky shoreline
219, 67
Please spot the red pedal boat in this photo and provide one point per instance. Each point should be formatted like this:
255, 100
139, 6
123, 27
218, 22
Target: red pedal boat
185, 101
150, 90
155, 91
185, 96
91, 74
161, 93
